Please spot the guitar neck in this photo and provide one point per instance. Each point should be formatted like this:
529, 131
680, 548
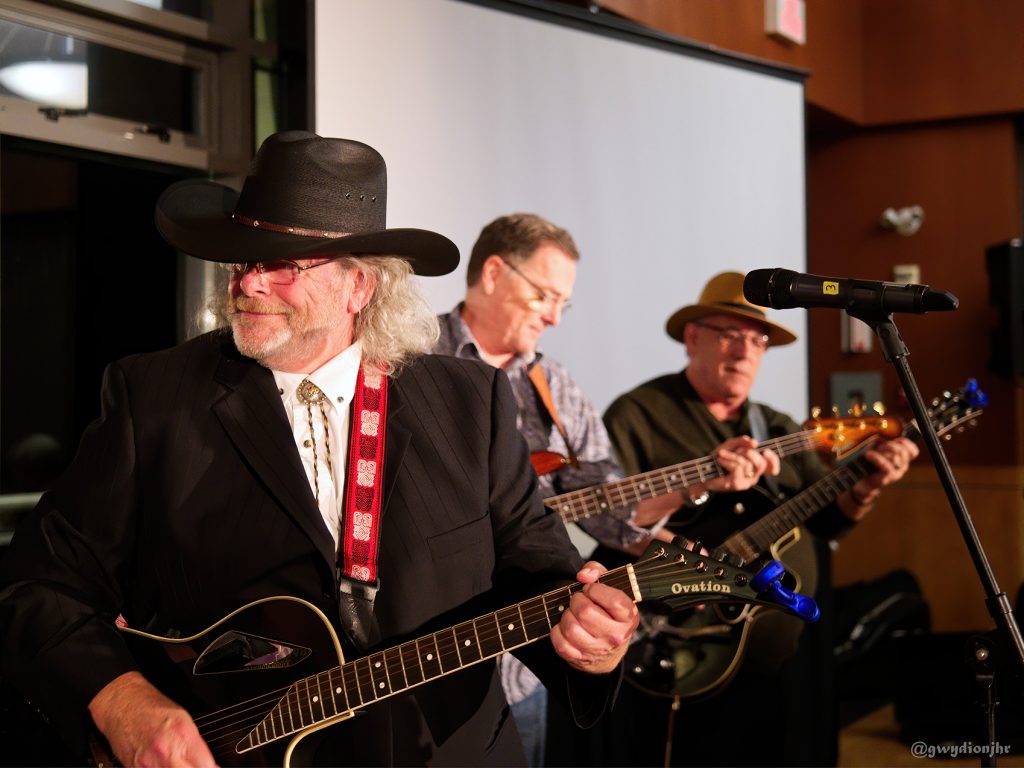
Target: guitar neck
758, 537
618, 494
341, 690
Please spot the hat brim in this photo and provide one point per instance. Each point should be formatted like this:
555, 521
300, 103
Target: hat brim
778, 335
195, 217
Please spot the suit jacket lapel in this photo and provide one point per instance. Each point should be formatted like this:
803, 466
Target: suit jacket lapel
253, 416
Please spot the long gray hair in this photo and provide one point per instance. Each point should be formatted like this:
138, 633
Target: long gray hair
397, 324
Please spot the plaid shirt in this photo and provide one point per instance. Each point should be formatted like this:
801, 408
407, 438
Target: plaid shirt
583, 426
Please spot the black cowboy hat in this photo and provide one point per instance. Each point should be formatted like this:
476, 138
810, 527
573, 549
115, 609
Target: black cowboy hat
306, 196
723, 295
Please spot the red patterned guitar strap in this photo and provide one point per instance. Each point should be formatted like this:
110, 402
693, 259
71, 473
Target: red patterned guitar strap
360, 534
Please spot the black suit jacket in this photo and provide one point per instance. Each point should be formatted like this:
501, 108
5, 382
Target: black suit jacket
187, 499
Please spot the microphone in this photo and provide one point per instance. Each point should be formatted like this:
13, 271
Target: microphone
785, 289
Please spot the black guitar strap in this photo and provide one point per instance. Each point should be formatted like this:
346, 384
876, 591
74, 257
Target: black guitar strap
759, 431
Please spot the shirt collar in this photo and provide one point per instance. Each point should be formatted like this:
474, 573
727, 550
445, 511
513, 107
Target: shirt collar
336, 378
464, 344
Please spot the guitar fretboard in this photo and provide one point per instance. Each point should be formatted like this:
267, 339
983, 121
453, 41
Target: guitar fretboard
341, 690
618, 494
758, 537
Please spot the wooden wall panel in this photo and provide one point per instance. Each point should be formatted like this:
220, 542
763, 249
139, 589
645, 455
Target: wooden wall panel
939, 59
914, 529
962, 176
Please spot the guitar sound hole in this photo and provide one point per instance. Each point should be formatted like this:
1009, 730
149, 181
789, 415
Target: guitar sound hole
239, 652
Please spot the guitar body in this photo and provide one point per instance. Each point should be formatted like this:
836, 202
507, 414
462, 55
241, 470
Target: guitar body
265, 677
694, 653
231, 675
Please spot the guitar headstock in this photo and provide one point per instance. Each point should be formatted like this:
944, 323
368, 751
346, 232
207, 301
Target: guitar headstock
682, 574
839, 435
957, 410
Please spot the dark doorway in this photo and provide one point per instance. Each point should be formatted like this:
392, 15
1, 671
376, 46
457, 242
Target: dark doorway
85, 280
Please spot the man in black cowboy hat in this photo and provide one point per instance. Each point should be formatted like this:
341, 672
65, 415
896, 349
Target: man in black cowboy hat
311, 451
691, 414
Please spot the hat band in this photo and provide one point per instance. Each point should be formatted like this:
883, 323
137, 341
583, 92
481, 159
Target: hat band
744, 308
301, 231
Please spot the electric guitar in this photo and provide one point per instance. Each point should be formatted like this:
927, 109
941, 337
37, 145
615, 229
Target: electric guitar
696, 653
268, 675
838, 436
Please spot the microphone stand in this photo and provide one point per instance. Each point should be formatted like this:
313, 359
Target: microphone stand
985, 651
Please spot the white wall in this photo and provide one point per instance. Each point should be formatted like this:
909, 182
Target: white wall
665, 167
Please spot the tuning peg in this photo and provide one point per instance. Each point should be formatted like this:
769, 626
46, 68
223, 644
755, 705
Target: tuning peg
815, 412
878, 407
835, 411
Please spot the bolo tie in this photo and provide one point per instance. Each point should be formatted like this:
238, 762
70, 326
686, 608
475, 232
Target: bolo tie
310, 394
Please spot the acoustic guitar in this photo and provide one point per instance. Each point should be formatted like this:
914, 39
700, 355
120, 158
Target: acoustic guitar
694, 654
262, 679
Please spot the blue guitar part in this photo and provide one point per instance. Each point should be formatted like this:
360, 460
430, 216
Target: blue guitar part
768, 583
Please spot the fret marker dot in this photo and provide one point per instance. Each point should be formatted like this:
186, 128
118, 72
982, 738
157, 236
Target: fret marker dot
316, 699
381, 686
377, 665
511, 626
430, 656
338, 689
561, 608
466, 643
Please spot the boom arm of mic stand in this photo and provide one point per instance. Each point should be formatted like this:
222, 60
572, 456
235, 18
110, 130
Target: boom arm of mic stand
996, 600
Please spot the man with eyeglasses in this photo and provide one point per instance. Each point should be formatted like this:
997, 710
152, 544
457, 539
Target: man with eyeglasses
316, 480
789, 704
519, 283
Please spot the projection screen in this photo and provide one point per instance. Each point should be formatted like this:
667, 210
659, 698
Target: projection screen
667, 164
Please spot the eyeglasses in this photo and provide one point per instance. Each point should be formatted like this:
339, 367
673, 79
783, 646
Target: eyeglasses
729, 336
544, 297
279, 272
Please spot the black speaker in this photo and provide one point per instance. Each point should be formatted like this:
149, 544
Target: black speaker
1005, 265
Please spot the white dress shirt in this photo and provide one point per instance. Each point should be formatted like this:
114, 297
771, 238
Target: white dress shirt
337, 380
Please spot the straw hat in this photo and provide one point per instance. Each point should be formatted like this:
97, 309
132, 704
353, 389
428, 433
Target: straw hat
723, 295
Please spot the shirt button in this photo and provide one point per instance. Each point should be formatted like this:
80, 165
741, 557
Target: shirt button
306, 443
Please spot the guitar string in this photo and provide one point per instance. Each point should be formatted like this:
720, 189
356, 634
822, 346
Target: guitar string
276, 695
295, 708
585, 503
693, 471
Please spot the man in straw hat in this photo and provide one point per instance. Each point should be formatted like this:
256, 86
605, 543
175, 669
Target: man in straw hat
311, 451
691, 414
